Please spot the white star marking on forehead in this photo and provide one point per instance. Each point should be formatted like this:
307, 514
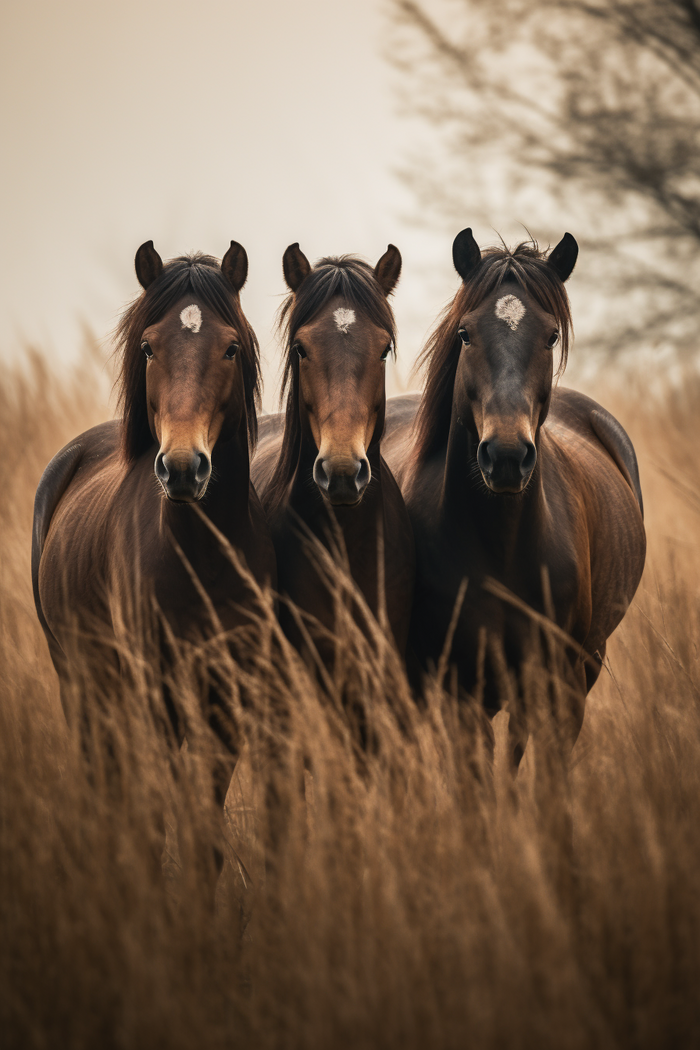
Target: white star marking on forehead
344, 318
510, 310
191, 317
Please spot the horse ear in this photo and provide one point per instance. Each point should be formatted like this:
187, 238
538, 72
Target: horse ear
466, 254
234, 265
388, 269
562, 259
149, 264
295, 266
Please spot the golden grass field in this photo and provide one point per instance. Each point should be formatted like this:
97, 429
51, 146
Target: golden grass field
411, 905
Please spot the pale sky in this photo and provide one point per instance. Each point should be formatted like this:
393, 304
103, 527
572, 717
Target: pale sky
191, 124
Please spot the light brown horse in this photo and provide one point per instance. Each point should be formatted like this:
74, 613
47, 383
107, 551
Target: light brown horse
512, 485
117, 519
319, 466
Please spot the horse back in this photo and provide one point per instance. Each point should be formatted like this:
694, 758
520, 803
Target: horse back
578, 411
56, 479
57, 496
399, 557
397, 443
270, 431
54, 482
57, 485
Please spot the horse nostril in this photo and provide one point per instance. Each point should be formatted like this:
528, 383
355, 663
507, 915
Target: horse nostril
527, 464
320, 476
342, 481
203, 468
183, 473
483, 458
162, 472
363, 475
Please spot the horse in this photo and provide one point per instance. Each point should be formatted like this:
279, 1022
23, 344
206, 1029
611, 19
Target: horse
318, 466
142, 508
523, 492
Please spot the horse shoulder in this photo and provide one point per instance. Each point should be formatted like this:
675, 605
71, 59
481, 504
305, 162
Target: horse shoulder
564, 546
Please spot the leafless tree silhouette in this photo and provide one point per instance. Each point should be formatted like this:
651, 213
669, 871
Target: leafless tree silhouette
592, 106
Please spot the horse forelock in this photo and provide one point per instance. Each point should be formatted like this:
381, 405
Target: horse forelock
201, 276
344, 276
526, 265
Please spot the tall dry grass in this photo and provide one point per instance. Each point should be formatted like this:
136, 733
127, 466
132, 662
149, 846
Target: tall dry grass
412, 902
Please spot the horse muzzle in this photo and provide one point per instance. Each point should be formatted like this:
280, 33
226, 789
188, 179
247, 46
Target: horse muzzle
184, 474
342, 482
506, 468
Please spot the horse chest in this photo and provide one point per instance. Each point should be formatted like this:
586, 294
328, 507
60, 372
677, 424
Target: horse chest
191, 575
536, 572
306, 553
316, 557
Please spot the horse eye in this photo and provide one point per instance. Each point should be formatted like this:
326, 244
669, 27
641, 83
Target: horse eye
464, 336
300, 350
386, 353
553, 339
147, 350
231, 352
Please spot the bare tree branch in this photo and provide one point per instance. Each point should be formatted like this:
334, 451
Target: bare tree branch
595, 102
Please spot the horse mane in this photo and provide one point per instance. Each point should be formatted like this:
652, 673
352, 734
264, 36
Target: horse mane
201, 276
525, 264
343, 275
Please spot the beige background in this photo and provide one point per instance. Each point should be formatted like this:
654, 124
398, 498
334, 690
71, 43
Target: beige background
268, 122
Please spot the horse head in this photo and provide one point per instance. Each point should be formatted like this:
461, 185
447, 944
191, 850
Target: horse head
341, 331
196, 352
513, 313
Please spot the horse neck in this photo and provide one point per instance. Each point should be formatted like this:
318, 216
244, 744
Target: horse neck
307, 449
499, 521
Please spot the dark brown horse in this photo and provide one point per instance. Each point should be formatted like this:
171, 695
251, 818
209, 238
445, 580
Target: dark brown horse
511, 484
319, 468
116, 521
